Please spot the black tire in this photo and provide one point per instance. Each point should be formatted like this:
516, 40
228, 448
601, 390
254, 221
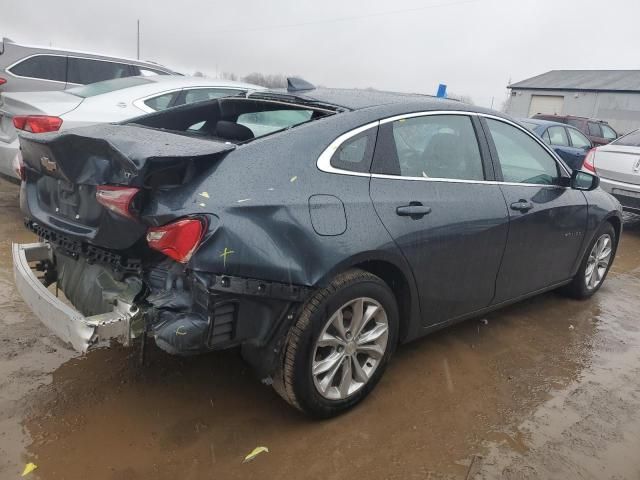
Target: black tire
294, 380
578, 287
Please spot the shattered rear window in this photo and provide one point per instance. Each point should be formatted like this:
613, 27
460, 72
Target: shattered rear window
234, 119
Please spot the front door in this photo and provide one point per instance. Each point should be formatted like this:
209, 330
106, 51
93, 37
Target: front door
547, 220
430, 191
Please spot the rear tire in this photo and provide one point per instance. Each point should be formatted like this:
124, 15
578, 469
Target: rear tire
339, 346
595, 264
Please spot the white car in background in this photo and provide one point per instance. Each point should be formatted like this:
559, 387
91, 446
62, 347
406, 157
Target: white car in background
102, 102
618, 166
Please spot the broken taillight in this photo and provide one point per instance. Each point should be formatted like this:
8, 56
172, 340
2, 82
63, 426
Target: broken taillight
37, 123
117, 199
589, 161
177, 240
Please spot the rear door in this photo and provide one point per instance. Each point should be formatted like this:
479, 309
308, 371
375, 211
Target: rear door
547, 220
560, 141
431, 189
595, 134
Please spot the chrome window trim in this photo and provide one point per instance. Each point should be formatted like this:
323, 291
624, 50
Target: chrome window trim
324, 160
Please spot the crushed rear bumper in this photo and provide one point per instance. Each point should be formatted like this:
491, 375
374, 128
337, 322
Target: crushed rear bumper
67, 323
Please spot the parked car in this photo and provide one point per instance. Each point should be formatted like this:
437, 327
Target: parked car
599, 132
568, 142
366, 220
618, 166
25, 68
102, 102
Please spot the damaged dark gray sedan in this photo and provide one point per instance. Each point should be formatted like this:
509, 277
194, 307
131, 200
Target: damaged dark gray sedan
315, 229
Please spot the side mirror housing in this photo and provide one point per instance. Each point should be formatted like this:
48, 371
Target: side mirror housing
584, 181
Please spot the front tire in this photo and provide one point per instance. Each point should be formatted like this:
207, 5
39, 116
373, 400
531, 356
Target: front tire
595, 264
339, 346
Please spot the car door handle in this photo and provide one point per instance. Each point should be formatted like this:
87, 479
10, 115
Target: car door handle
522, 206
414, 210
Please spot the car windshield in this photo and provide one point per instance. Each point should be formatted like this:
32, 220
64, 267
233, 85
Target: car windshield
107, 86
629, 140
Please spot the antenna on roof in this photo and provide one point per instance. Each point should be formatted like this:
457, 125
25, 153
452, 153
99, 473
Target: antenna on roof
296, 84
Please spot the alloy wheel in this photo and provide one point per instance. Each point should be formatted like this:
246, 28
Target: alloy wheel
598, 261
350, 348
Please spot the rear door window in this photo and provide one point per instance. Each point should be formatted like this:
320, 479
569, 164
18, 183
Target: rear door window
161, 102
558, 136
521, 158
594, 129
436, 146
44, 67
578, 140
608, 133
85, 70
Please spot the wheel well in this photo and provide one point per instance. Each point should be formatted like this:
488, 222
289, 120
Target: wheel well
617, 226
398, 284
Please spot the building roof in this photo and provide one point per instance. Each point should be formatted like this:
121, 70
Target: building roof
583, 80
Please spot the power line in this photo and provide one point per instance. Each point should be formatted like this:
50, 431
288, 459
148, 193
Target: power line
345, 19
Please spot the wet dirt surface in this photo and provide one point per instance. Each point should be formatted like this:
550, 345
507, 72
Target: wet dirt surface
549, 388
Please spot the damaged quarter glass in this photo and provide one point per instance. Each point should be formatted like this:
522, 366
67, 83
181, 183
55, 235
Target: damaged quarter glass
313, 229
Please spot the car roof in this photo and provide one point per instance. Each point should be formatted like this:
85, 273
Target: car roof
358, 99
544, 123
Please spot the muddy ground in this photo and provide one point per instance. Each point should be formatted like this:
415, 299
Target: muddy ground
549, 388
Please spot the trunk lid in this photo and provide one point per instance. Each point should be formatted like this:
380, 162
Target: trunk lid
63, 171
32, 103
618, 162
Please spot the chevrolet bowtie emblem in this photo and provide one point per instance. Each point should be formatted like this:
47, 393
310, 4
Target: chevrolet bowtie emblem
48, 164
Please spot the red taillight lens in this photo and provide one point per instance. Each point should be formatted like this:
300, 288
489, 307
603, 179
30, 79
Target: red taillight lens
3, 81
177, 240
37, 123
589, 161
117, 199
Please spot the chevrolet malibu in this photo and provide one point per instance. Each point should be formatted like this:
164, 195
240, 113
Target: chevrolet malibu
315, 229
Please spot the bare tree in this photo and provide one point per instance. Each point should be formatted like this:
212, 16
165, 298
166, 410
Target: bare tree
229, 76
270, 80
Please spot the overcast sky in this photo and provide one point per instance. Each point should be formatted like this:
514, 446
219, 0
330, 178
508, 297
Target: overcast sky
474, 46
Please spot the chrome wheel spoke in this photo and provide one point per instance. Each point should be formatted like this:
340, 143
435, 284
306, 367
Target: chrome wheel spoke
347, 378
358, 373
374, 351
338, 323
372, 335
327, 380
357, 317
327, 363
328, 340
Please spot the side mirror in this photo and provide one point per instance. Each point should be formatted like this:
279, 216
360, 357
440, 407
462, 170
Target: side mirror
584, 181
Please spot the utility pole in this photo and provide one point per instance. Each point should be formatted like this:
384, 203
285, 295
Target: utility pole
138, 42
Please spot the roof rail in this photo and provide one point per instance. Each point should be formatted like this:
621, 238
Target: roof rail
296, 84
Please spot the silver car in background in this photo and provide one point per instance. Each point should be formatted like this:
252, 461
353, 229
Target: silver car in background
25, 68
618, 166
102, 102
